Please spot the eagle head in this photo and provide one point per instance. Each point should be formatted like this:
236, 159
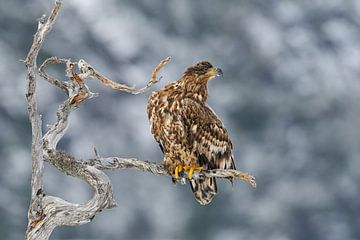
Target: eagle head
204, 70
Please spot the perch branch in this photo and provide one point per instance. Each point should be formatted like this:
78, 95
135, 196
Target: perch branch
113, 163
71, 166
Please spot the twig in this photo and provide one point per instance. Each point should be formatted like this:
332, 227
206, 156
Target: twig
50, 79
87, 70
154, 78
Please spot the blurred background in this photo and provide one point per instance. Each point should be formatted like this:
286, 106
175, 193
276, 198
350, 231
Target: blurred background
289, 97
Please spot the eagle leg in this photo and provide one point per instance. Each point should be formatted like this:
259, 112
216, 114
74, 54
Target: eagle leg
191, 170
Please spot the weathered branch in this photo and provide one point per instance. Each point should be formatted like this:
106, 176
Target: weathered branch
57, 212
35, 208
50, 79
88, 71
113, 163
47, 212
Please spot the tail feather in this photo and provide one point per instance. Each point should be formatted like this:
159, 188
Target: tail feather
204, 189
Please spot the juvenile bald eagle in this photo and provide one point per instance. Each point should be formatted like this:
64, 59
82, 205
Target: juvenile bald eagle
188, 131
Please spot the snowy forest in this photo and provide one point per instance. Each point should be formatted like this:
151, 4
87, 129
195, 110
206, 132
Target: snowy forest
289, 97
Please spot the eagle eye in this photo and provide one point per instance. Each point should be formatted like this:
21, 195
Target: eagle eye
200, 68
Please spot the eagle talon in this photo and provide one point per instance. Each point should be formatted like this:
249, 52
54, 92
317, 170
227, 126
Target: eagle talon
191, 170
179, 168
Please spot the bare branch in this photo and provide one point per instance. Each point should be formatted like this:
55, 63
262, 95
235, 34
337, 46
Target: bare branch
50, 79
58, 212
47, 212
112, 163
53, 211
44, 26
88, 71
154, 78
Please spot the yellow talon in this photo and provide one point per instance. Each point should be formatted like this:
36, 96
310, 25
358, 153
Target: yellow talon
191, 172
178, 169
192, 169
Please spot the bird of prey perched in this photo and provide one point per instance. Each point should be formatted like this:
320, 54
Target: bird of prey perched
189, 133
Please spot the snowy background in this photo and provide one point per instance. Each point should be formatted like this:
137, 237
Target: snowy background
290, 98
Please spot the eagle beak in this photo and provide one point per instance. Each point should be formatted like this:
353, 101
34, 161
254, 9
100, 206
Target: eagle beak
219, 72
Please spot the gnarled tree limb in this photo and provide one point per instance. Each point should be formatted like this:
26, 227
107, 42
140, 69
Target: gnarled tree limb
47, 212
35, 209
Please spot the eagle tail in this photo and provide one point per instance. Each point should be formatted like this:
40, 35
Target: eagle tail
204, 189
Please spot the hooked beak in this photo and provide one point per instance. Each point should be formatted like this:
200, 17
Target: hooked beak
219, 72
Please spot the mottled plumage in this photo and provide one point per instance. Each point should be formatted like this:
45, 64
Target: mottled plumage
187, 129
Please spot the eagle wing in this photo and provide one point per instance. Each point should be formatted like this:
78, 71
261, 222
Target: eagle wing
188, 130
167, 127
209, 141
207, 137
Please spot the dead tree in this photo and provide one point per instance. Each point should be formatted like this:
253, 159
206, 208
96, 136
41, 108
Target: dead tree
47, 212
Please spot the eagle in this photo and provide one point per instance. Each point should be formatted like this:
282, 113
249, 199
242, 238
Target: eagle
189, 133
